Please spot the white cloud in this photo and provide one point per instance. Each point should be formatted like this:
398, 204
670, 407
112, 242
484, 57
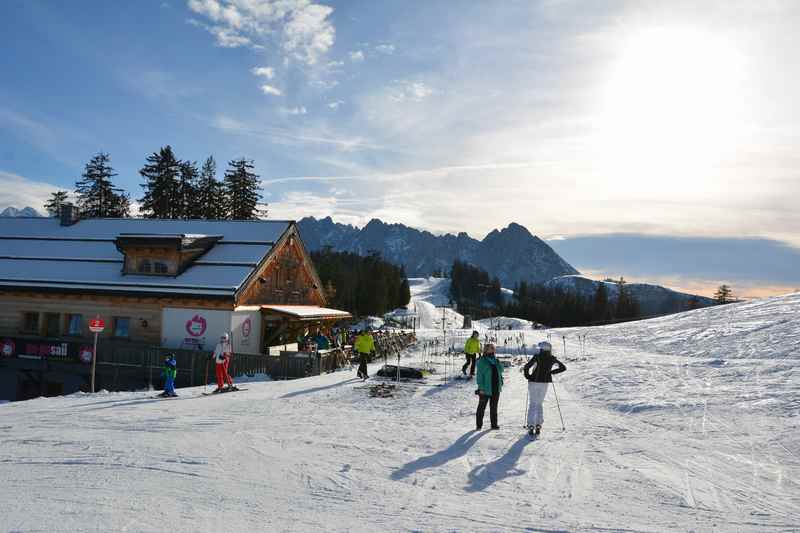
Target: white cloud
335, 64
269, 89
335, 104
385, 49
409, 91
297, 110
19, 192
302, 29
325, 85
265, 72
357, 56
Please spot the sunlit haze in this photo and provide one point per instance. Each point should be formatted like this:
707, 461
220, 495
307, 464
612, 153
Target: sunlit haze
655, 119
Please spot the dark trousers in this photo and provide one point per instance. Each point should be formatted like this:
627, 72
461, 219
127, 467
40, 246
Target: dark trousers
492, 401
471, 357
362, 366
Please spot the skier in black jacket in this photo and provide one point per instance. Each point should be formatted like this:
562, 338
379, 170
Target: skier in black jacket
539, 372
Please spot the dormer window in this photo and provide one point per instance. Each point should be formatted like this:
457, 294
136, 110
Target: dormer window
162, 254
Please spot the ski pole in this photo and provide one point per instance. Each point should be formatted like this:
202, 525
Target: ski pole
559, 407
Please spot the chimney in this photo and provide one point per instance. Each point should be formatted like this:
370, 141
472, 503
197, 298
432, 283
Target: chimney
68, 214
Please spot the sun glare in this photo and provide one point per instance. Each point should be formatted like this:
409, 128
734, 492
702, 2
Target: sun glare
670, 108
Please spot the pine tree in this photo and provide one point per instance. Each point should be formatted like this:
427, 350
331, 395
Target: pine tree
724, 294
241, 190
600, 304
161, 185
96, 195
53, 205
210, 201
404, 290
187, 204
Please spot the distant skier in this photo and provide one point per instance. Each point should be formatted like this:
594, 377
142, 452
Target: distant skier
538, 372
222, 358
169, 373
364, 347
490, 383
471, 349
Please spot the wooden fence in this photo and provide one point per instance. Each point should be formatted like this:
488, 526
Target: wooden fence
118, 364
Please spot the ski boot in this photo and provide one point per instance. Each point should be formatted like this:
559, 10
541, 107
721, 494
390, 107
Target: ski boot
538, 429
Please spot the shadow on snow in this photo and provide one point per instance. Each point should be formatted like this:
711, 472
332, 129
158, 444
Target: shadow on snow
454, 451
483, 476
317, 389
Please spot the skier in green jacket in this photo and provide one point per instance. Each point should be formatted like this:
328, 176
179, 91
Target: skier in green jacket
471, 349
490, 383
169, 373
364, 347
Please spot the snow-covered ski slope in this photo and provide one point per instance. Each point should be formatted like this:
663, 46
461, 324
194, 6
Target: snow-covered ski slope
683, 423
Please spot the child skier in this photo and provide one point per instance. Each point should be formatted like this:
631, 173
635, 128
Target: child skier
538, 372
169, 373
222, 357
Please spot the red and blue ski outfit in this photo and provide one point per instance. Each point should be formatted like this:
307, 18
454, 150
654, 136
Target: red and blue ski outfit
222, 357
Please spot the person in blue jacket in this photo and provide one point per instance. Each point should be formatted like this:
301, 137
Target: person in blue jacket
169, 373
490, 383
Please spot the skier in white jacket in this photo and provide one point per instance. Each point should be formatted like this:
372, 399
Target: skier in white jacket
538, 372
222, 358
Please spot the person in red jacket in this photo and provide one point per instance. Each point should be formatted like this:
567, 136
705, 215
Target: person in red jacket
222, 358
539, 373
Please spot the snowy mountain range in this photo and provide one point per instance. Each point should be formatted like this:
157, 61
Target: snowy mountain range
512, 254
12, 211
652, 299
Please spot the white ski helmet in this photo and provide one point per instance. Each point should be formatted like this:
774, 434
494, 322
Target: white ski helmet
224, 337
545, 346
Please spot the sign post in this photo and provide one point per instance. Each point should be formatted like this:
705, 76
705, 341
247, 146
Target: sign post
96, 326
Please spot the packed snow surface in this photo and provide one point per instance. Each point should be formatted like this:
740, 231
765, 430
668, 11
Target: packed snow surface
682, 423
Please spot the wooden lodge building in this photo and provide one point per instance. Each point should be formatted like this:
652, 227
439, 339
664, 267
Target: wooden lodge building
174, 285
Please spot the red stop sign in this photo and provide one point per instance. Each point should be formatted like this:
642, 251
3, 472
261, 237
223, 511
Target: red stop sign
96, 325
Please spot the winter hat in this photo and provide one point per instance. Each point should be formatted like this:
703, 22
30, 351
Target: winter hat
475, 332
224, 337
545, 346
486, 348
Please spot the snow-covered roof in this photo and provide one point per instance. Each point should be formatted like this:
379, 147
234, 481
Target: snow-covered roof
307, 312
41, 253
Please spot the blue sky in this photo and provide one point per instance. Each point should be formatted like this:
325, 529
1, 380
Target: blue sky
654, 119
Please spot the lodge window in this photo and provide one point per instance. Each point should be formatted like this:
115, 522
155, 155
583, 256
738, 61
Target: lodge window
150, 266
122, 326
145, 267
30, 322
74, 324
51, 325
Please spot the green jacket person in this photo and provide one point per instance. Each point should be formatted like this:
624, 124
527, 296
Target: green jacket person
490, 383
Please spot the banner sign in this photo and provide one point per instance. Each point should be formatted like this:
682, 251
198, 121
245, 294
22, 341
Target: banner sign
50, 350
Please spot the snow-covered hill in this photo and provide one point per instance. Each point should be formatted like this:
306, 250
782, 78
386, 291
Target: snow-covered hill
684, 423
652, 299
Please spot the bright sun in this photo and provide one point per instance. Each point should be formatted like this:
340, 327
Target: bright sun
670, 109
